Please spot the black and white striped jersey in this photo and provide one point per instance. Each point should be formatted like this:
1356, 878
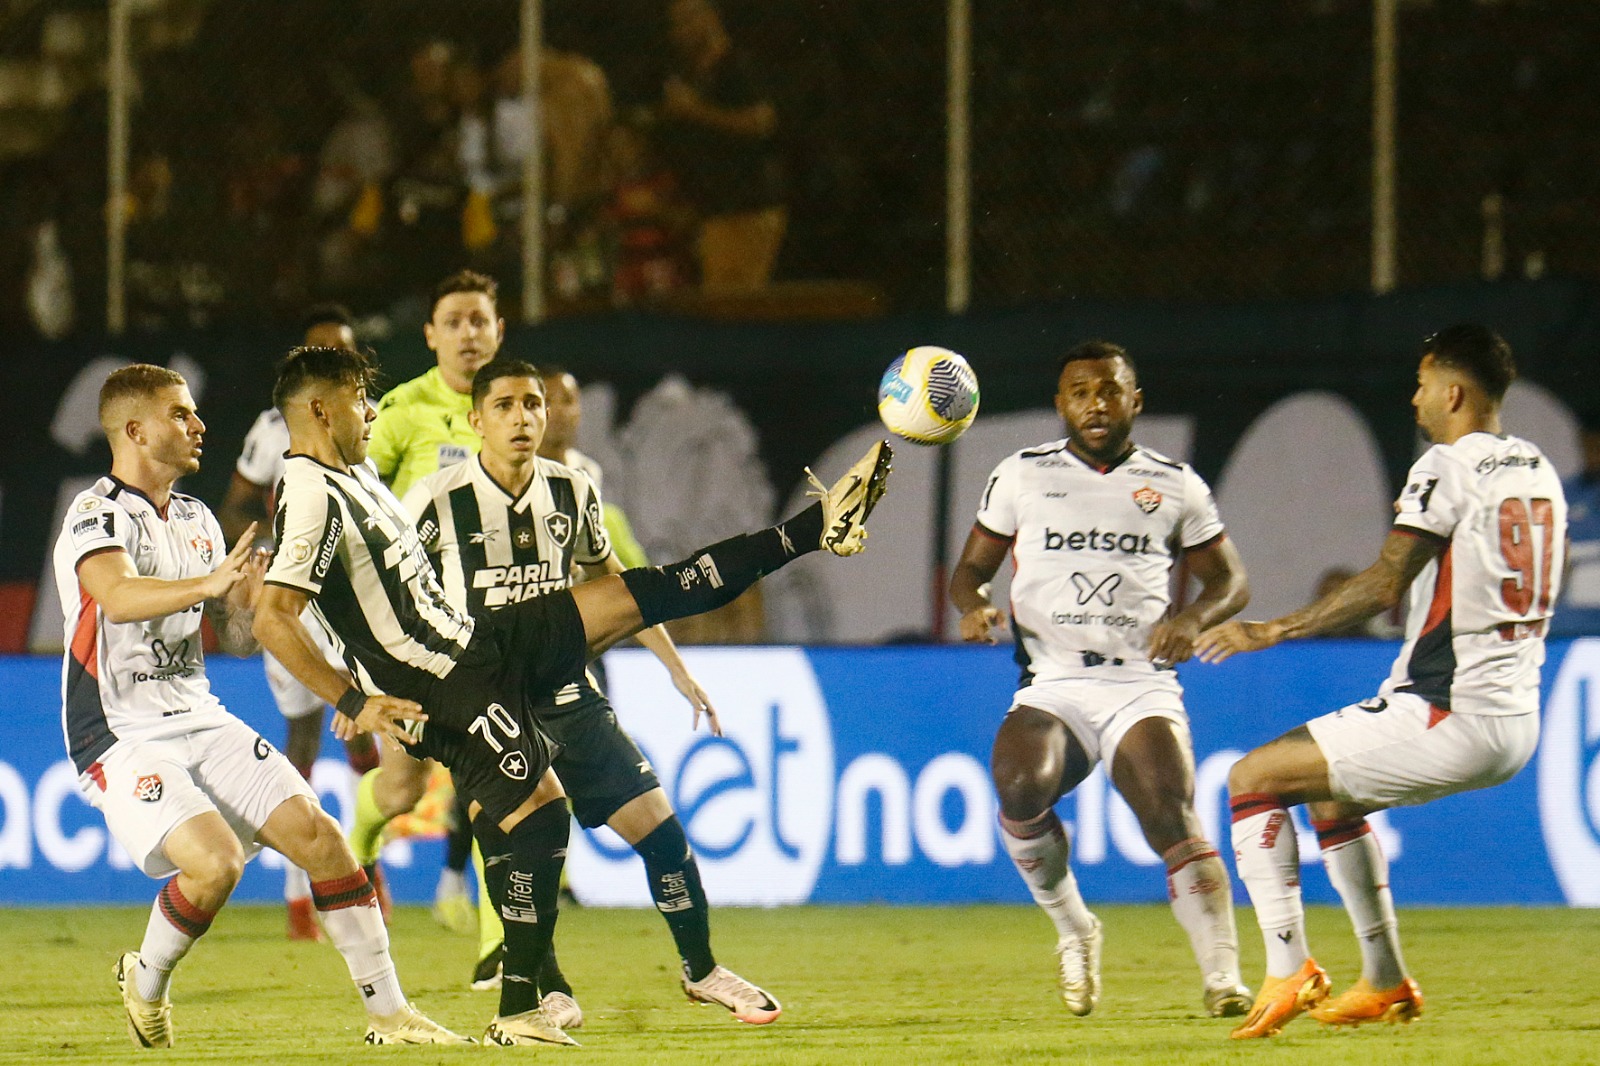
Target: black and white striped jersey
344, 539
492, 548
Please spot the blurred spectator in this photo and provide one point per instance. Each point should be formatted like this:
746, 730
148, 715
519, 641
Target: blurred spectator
1578, 613
428, 191
354, 165
647, 216
718, 126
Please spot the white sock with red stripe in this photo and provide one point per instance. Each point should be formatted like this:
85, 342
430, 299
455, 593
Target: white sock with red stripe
1268, 858
1202, 901
1357, 867
1040, 850
350, 915
174, 925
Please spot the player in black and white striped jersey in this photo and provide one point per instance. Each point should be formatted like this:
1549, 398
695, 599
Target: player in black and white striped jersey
511, 524
463, 690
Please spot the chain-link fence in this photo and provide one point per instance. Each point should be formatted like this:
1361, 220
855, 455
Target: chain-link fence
1181, 149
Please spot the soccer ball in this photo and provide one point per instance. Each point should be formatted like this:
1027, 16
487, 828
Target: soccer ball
928, 396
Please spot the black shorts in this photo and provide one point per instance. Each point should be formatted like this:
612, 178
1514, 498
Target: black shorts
481, 723
599, 765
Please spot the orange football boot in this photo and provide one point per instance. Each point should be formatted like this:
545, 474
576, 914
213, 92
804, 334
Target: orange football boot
1282, 1000
1400, 1005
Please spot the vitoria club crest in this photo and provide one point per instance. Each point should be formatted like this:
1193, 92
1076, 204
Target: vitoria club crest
148, 788
1147, 498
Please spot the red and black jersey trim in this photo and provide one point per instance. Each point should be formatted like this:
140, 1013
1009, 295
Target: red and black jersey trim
352, 891
1432, 664
88, 732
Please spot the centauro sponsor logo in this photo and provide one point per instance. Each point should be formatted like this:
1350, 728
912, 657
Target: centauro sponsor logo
1096, 540
513, 584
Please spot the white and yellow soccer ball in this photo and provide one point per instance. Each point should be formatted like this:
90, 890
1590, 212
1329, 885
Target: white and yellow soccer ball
928, 396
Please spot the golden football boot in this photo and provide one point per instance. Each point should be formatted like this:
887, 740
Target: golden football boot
1360, 1003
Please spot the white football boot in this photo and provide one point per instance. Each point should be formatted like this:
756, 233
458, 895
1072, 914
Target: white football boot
562, 1010
1078, 970
530, 1028
727, 989
411, 1026
847, 504
149, 1024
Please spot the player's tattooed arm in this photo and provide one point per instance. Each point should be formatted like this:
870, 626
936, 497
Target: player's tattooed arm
1224, 590
981, 556
233, 615
1377, 588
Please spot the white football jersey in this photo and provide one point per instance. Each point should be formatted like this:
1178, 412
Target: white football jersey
121, 679
1478, 613
261, 459
1093, 551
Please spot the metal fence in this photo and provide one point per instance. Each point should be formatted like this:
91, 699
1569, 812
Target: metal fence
1170, 149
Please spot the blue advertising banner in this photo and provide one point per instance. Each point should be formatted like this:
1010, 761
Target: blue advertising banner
860, 775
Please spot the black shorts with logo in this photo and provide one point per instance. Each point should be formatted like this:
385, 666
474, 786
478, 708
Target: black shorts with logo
481, 722
600, 766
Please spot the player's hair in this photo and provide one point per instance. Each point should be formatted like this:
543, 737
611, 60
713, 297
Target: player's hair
328, 314
466, 281
310, 364
1477, 351
130, 383
1096, 349
495, 369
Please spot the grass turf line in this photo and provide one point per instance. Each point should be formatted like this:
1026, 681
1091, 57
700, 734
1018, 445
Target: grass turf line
905, 986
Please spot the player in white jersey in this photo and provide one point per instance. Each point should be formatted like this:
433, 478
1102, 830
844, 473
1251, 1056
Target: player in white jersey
184, 786
1479, 538
463, 689
1095, 526
249, 499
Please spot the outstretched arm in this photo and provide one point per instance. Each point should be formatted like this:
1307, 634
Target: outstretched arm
1376, 589
981, 556
1224, 590
125, 595
233, 615
659, 641
279, 629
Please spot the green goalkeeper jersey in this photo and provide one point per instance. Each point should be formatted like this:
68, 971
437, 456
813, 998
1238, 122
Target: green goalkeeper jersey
422, 425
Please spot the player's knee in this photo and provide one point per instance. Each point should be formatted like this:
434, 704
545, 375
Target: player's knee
1249, 774
217, 871
1023, 792
327, 847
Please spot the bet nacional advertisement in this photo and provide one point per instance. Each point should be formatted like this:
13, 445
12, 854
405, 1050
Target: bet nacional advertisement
860, 775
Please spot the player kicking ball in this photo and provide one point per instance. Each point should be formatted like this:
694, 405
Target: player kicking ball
461, 689
1094, 525
508, 524
1479, 538
187, 789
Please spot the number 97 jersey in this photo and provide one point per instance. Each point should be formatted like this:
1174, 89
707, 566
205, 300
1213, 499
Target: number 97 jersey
1478, 612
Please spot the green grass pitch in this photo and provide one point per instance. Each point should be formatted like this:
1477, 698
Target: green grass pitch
901, 986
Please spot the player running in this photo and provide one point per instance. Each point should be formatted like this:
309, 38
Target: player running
346, 545
1094, 525
185, 787
249, 499
1479, 538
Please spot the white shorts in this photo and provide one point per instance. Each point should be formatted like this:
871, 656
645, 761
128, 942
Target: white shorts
147, 788
294, 700
1100, 713
1397, 751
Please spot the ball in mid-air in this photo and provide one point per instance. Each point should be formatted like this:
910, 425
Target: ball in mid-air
928, 396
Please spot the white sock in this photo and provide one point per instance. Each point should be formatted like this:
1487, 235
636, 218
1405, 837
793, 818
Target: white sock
351, 918
1040, 850
1268, 858
1202, 901
174, 925
1356, 866
296, 883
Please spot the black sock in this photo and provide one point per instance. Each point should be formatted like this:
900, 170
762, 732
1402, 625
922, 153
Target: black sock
681, 899
551, 979
496, 848
717, 575
458, 840
533, 883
